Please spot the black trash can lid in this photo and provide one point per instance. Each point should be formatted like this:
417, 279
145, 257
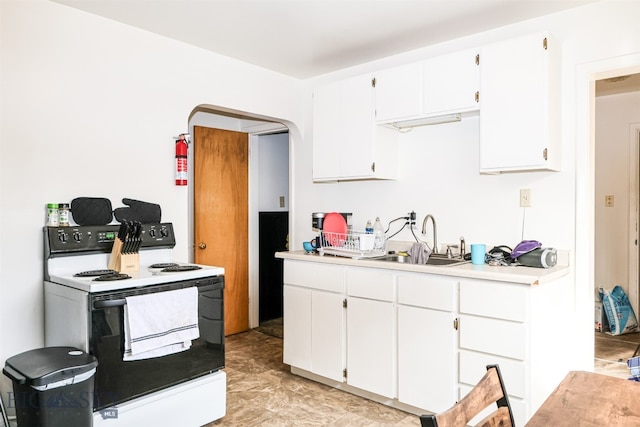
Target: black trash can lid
48, 365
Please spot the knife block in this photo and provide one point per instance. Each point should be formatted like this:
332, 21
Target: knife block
123, 263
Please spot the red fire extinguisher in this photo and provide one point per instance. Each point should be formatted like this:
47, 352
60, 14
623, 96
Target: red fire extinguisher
181, 161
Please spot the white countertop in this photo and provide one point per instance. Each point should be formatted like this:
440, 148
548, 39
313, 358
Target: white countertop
513, 274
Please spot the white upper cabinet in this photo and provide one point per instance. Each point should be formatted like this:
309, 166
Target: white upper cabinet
441, 85
520, 95
451, 83
347, 144
398, 93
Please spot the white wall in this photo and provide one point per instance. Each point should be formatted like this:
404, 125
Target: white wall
273, 172
614, 152
90, 108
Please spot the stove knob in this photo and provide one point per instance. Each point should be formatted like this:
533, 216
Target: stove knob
152, 232
164, 232
63, 237
77, 236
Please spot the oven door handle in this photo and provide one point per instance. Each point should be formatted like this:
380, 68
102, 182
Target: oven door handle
109, 303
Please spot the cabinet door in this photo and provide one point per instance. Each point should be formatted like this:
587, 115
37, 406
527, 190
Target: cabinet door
327, 326
327, 124
450, 83
297, 327
347, 144
343, 123
426, 358
356, 143
370, 346
398, 93
519, 121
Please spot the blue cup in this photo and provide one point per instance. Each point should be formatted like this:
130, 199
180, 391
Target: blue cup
478, 252
309, 247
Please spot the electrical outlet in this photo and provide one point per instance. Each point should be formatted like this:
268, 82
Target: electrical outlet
525, 197
412, 218
608, 201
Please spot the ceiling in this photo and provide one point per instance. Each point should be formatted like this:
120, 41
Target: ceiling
307, 38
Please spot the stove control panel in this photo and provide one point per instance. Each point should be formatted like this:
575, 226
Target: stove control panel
61, 241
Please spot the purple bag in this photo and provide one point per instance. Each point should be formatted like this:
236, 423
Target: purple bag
524, 247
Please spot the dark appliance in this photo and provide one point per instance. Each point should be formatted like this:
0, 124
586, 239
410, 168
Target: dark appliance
274, 230
84, 308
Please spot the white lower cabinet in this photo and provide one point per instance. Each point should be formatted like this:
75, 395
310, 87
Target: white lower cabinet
370, 345
426, 341
370, 331
313, 326
516, 326
327, 349
493, 330
313, 318
297, 326
420, 341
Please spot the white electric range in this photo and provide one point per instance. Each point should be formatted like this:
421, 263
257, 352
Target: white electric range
84, 304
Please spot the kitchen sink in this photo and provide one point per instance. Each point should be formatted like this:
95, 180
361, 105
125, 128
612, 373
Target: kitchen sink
439, 260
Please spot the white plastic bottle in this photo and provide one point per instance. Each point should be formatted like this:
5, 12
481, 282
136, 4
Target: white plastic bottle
379, 238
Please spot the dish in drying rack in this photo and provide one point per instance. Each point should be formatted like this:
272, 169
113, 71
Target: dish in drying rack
334, 229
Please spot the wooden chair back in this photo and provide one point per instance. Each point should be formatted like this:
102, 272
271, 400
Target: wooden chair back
489, 390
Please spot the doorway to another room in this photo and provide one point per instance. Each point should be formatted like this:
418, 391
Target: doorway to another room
265, 200
272, 152
617, 198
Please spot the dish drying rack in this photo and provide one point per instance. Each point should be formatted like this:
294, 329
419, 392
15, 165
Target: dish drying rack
356, 245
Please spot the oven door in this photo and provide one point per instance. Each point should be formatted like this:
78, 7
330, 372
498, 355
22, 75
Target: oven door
117, 381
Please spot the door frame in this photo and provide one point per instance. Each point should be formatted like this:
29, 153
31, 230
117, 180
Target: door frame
633, 232
254, 289
254, 217
255, 127
584, 290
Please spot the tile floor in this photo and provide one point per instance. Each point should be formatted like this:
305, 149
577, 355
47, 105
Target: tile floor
612, 352
263, 392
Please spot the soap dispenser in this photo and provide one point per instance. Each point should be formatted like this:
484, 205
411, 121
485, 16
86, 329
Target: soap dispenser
379, 238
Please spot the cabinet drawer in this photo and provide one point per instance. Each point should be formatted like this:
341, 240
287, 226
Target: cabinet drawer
314, 275
370, 283
426, 291
500, 300
474, 365
498, 337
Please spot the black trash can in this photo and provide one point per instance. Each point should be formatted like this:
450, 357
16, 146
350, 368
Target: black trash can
52, 387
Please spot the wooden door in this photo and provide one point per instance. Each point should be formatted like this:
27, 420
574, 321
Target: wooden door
221, 164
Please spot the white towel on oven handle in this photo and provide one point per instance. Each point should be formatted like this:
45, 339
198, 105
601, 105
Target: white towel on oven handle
160, 323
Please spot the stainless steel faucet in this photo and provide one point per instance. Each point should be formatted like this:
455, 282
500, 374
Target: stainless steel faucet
434, 249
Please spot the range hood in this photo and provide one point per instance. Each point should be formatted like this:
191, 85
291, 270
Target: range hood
425, 121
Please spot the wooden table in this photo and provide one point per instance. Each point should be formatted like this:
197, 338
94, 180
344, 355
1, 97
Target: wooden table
585, 399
